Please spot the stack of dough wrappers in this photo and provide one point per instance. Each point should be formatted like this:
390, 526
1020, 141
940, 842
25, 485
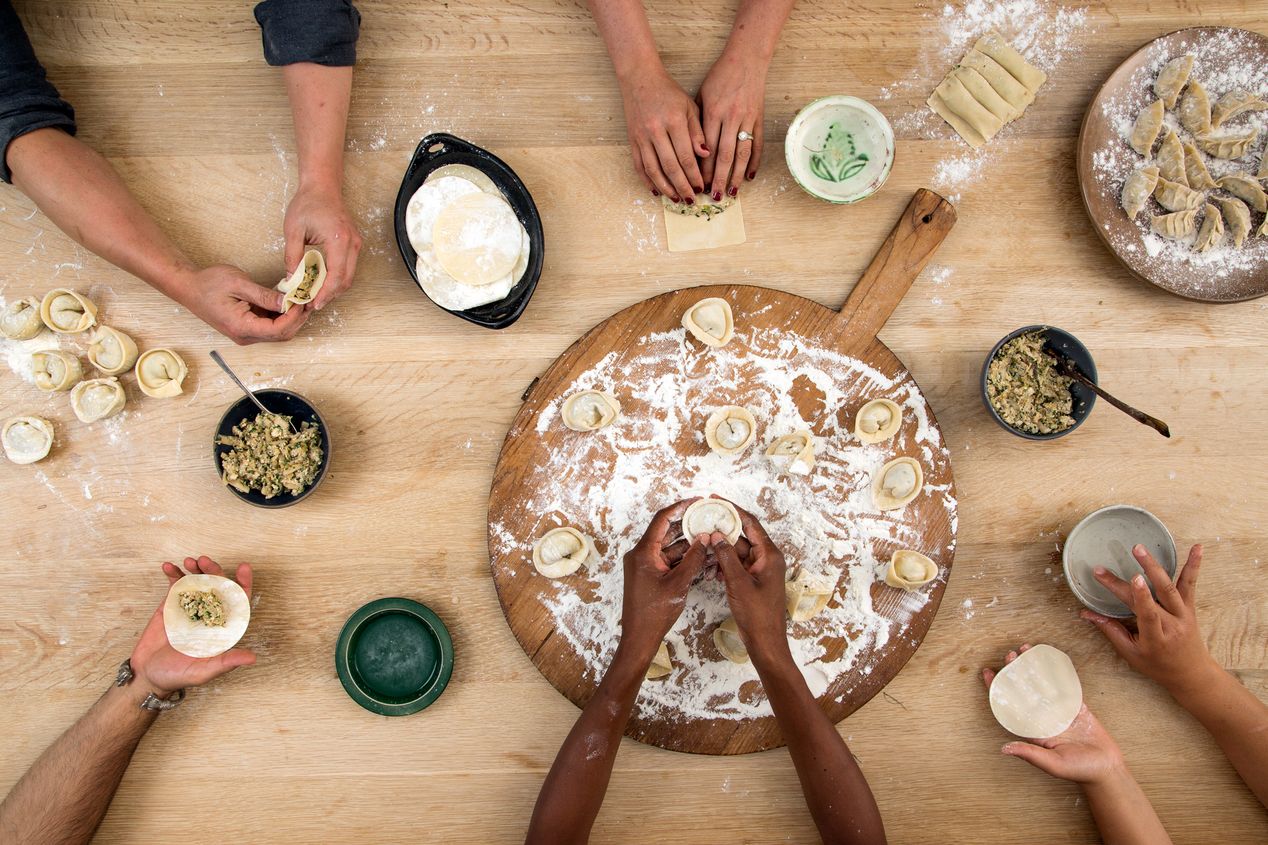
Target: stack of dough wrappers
992, 86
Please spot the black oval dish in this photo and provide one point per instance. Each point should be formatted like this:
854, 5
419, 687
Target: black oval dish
1065, 344
278, 401
437, 150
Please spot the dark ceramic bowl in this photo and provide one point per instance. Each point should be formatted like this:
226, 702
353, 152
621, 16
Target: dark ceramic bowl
394, 657
278, 401
1063, 343
436, 151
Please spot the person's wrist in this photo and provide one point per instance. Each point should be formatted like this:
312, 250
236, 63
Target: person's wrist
324, 180
770, 649
1195, 681
642, 73
636, 650
1114, 775
750, 54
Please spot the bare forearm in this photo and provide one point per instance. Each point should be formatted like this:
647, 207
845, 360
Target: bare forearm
627, 35
1235, 718
319, 98
1123, 814
837, 794
758, 24
65, 794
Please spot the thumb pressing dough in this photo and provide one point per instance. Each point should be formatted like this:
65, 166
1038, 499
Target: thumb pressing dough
1038, 695
707, 516
302, 286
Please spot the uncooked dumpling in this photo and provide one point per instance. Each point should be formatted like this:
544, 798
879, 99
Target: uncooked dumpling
1211, 234
877, 421
1038, 695
710, 321
26, 439
1176, 226
55, 369
112, 352
1145, 130
1195, 169
1228, 146
1171, 80
1176, 197
1236, 218
159, 373
728, 641
1234, 103
587, 410
793, 453
20, 319
1195, 109
562, 551
730, 429
1245, 189
302, 286
67, 312
1137, 189
205, 615
898, 482
1171, 159
806, 596
707, 516
661, 664
97, 399
909, 570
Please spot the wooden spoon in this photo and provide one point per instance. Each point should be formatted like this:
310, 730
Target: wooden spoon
1068, 368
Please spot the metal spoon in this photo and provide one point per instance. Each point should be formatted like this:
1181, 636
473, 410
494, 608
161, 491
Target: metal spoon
1068, 368
215, 356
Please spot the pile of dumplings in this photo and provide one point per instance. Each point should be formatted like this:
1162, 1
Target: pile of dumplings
1178, 177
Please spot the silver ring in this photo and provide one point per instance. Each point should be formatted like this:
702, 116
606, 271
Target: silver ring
744, 136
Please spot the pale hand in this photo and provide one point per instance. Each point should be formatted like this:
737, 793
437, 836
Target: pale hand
317, 217
226, 299
663, 123
732, 99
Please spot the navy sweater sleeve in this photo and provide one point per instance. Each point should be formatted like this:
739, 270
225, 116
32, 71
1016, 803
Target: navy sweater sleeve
320, 31
28, 101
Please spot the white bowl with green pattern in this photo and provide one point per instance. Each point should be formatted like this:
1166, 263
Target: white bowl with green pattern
840, 149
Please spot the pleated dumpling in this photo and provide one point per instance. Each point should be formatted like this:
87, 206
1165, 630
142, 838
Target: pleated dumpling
1195, 109
730, 429
727, 639
1172, 79
898, 482
806, 596
111, 351
1146, 128
710, 321
1232, 104
301, 287
1137, 189
662, 665
794, 453
1176, 197
205, 615
26, 439
1229, 145
20, 319
909, 570
160, 372
1195, 169
562, 551
877, 421
1171, 159
97, 399
1211, 234
1176, 226
1236, 218
56, 369
1245, 189
67, 312
587, 410
710, 516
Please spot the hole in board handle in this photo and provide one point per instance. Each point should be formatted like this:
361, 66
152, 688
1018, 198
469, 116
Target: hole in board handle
436, 148
927, 218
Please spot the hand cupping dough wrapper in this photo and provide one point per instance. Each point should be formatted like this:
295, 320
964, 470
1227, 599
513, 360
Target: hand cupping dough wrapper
302, 286
196, 638
1038, 695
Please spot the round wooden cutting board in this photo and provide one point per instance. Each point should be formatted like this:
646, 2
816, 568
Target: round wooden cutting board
529, 472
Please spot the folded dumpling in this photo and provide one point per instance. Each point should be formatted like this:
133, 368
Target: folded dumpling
67, 312
730, 429
112, 352
1195, 169
1232, 104
97, 399
909, 570
26, 439
710, 321
661, 664
793, 453
1171, 80
898, 482
1236, 218
709, 516
1195, 109
1229, 145
1176, 226
55, 369
806, 596
160, 372
1176, 197
20, 319
1137, 188
1211, 234
301, 287
1245, 189
205, 615
1146, 128
588, 410
726, 637
562, 551
877, 421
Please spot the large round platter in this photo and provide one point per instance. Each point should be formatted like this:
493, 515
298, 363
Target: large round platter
1225, 58
795, 364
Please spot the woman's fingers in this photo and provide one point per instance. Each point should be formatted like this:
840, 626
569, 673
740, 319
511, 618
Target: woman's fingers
245, 577
1120, 588
672, 168
988, 676
726, 158
1168, 595
1120, 638
756, 161
1187, 583
712, 138
651, 168
1148, 613
743, 153
642, 171
172, 572
699, 146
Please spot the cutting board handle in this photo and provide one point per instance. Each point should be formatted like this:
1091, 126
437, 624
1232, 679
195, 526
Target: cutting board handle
912, 242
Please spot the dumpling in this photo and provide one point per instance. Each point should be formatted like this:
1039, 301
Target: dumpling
710, 321
729, 642
994, 45
1171, 80
1262, 173
1195, 109
793, 453
730, 429
1171, 159
205, 615
707, 516
55, 369
661, 664
588, 410
1230, 146
1175, 226
20, 319
562, 551
898, 482
1176, 197
112, 352
981, 89
1004, 83
910, 570
1236, 218
67, 312
973, 121
877, 420
1245, 189
1137, 188
97, 399
302, 285
26, 439
806, 596
1211, 234
1235, 102
1146, 128
160, 372
1195, 169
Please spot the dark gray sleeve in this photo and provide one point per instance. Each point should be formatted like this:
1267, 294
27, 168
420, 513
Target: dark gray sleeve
28, 101
321, 31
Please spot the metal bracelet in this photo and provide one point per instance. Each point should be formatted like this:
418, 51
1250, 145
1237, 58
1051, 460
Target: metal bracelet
151, 701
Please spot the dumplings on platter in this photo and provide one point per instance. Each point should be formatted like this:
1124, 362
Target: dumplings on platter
726, 637
67, 312
20, 319
1145, 130
587, 410
909, 570
806, 596
793, 453
707, 516
160, 372
1038, 695
662, 665
1195, 169
1138, 188
1245, 189
111, 351
897, 483
1176, 226
710, 321
562, 551
1228, 146
1233, 103
1176, 197
1171, 159
26, 439
302, 286
1172, 79
878, 421
56, 369
97, 399
730, 429
1211, 234
205, 615
1236, 218
990, 87
1195, 109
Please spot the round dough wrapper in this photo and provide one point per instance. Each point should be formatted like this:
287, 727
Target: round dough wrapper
160, 372
726, 637
588, 410
909, 570
304, 284
794, 453
878, 421
806, 596
705, 516
562, 551
97, 399
661, 664
710, 321
474, 175
67, 312
897, 483
1038, 695
55, 369
197, 639
442, 289
432, 197
478, 239
26, 439
730, 429
111, 351
20, 319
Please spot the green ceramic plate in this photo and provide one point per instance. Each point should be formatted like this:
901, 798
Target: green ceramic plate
394, 656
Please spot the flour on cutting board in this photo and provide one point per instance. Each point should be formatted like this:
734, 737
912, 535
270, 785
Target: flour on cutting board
609, 483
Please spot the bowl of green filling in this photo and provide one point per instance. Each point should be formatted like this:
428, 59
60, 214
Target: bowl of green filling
276, 459
1025, 392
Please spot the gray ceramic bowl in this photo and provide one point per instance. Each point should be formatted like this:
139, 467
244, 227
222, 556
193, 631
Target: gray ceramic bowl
1066, 344
1105, 538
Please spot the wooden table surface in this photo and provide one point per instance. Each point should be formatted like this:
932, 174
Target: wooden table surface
176, 94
